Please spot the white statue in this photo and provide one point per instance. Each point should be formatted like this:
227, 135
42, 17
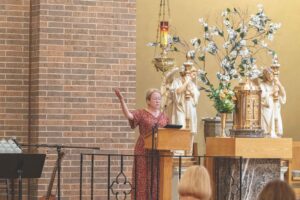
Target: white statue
273, 95
186, 95
168, 94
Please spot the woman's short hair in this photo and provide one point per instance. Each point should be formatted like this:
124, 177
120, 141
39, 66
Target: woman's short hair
150, 92
277, 190
195, 182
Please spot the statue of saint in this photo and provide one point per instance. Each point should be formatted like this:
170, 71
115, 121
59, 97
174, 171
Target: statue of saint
273, 96
168, 94
186, 95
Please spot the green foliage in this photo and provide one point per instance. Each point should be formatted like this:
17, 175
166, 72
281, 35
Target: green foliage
223, 97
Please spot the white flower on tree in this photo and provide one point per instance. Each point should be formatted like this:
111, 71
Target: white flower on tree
212, 48
222, 77
245, 52
242, 41
196, 42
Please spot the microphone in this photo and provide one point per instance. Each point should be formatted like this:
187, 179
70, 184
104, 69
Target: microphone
164, 108
160, 115
155, 127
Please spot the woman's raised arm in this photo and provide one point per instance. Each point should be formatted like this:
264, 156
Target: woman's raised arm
125, 110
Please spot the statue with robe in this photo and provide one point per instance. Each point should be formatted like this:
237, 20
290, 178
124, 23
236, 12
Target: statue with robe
273, 96
186, 95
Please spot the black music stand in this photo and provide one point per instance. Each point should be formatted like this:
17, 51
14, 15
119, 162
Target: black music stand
21, 166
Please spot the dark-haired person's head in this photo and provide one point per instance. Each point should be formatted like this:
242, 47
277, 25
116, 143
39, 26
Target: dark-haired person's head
277, 190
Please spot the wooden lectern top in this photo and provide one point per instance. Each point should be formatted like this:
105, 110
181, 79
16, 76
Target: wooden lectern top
170, 139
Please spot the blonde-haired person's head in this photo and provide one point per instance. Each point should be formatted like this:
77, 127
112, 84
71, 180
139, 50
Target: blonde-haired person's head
150, 92
195, 184
277, 190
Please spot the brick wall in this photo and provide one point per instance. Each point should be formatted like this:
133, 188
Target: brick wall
14, 66
79, 51
14, 34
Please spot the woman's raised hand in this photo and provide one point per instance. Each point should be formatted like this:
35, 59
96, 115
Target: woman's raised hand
118, 94
125, 110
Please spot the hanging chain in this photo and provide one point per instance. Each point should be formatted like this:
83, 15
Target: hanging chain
169, 12
164, 9
161, 17
158, 26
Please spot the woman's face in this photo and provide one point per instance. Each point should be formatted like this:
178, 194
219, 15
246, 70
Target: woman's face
154, 101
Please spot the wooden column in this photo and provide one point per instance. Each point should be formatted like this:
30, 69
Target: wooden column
165, 177
165, 141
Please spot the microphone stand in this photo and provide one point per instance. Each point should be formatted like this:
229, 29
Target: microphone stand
153, 148
58, 150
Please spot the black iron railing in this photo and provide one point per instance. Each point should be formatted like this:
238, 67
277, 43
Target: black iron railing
109, 176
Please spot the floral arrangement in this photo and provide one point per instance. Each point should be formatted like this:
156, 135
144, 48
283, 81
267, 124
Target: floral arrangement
235, 44
241, 42
223, 96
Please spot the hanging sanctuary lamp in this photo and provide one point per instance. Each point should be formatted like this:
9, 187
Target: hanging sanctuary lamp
162, 61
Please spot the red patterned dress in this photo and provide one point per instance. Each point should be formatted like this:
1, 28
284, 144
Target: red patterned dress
142, 175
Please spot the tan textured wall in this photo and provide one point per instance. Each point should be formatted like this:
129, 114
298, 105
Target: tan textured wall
185, 15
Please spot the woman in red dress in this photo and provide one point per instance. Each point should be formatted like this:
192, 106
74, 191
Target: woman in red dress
146, 119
